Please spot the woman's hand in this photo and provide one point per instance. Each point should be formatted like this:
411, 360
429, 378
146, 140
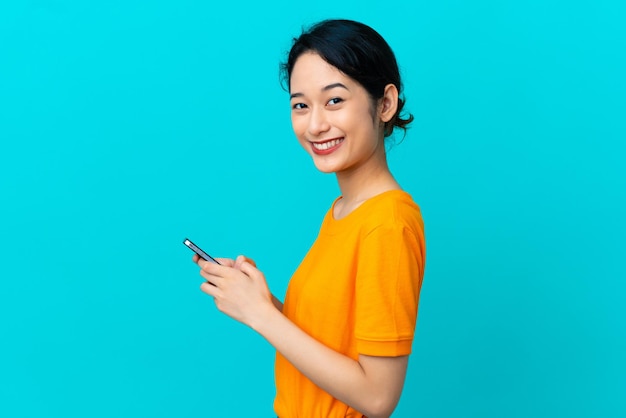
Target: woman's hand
370, 384
229, 262
238, 288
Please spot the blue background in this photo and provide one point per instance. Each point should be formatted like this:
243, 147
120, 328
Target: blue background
126, 126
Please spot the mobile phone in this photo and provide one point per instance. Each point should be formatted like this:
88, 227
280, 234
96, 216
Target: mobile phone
199, 251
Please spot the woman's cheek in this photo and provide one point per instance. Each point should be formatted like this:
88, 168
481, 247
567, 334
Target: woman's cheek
299, 129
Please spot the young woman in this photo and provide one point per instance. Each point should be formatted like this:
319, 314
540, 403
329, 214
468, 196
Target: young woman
345, 332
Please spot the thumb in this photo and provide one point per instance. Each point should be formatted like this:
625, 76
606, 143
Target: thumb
239, 261
248, 268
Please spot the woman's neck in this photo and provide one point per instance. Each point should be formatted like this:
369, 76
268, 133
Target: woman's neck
362, 183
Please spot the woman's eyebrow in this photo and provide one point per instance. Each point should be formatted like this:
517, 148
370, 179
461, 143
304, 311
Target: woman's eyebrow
334, 85
325, 88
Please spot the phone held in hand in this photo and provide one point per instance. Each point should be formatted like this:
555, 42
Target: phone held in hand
193, 247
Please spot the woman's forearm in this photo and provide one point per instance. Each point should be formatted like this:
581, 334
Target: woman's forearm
277, 303
372, 385
372, 391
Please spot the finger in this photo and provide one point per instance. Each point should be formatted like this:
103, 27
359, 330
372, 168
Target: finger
251, 261
238, 261
228, 262
209, 289
195, 258
248, 269
211, 278
208, 266
247, 259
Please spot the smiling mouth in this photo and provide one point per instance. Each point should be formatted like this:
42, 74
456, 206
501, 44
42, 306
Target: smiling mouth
322, 146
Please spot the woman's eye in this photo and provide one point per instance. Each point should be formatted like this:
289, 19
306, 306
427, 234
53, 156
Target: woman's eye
335, 100
298, 106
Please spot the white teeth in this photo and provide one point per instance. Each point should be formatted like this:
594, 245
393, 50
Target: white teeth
326, 145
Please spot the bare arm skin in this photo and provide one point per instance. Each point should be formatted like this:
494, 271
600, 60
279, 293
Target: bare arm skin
372, 385
277, 303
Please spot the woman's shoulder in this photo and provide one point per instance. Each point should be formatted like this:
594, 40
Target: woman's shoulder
393, 208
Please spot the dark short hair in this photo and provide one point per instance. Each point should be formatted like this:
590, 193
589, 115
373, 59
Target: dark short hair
356, 50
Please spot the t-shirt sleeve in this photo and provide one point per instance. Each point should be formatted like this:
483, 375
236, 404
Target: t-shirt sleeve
389, 278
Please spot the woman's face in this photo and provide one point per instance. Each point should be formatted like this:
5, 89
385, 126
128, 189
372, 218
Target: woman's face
332, 116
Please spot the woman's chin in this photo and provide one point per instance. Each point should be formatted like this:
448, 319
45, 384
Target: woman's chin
325, 167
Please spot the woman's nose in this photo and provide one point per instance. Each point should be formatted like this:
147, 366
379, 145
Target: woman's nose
318, 123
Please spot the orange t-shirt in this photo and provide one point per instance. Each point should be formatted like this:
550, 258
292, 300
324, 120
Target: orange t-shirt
357, 292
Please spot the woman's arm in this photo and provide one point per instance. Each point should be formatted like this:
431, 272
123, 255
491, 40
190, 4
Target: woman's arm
371, 385
277, 303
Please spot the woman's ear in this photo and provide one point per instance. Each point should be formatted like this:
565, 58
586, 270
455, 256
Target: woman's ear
388, 105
